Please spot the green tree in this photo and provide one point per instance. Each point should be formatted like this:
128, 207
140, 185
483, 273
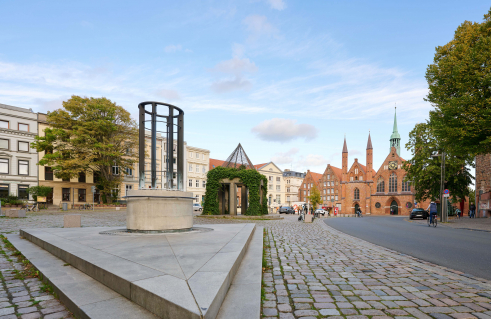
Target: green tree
314, 197
90, 135
459, 89
424, 171
42, 191
472, 195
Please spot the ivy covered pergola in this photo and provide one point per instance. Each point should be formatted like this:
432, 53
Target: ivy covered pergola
224, 181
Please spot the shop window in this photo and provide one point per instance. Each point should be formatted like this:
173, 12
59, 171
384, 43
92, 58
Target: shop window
22, 192
82, 195
65, 194
4, 190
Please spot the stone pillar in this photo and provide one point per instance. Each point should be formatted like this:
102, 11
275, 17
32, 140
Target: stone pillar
232, 201
243, 196
221, 200
226, 198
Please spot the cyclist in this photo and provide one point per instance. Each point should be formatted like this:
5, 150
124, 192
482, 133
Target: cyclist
432, 209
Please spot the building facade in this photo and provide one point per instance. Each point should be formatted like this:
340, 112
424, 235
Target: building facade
308, 183
196, 166
293, 181
18, 169
483, 185
276, 184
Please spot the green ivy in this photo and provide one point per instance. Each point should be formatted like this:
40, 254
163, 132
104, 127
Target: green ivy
249, 177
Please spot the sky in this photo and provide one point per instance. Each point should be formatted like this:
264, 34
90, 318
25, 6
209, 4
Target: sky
286, 79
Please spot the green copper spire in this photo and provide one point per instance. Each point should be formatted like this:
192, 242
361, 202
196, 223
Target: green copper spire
395, 138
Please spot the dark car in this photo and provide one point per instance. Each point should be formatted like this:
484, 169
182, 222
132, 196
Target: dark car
286, 210
418, 213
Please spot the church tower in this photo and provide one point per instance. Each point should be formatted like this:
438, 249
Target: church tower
345, 161
395, 138
369, 159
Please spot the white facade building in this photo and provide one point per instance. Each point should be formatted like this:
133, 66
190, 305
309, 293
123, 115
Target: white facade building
196, 167
293, 181
18, 169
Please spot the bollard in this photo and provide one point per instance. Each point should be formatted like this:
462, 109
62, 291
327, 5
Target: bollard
72, 221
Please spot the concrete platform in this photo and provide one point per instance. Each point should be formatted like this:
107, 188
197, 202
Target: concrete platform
175, 275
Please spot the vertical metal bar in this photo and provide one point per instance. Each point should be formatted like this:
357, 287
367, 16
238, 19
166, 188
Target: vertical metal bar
170, 148
180, 151
441, 187
141, 146
153, 159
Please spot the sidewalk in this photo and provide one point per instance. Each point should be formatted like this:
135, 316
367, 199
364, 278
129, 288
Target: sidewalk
479, 224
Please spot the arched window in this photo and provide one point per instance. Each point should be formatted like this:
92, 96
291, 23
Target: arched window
356, 194
406, 187
393, 183
380, 185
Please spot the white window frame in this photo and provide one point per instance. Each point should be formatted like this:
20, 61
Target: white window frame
8, 143
190, 183
18, 127
25, 163
197, 183
190, 167
2, 122
7, 161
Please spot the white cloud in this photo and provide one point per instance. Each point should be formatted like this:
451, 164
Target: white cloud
51, 105
235, 67
173, 48
277, 4
284, 130
258, 26
312, 161
171, 95
284, 158
225, 86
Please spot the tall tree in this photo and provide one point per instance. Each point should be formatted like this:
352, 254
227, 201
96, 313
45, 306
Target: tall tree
315, 197
90, 134
459, 89
424, 171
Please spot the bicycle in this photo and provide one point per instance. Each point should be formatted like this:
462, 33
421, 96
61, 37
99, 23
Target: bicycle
433, 220
85, 206
33, 208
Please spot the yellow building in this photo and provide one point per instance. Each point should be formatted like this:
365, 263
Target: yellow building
276, 184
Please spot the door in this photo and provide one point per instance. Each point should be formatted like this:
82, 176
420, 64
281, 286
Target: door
394, 208
356, 207
49, 198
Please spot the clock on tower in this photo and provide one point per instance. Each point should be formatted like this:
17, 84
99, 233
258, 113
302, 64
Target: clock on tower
392, 165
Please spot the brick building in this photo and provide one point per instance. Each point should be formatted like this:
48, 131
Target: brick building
483, 185
381, 192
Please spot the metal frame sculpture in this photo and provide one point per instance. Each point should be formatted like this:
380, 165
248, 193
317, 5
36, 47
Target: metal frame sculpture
174, 124
238, 158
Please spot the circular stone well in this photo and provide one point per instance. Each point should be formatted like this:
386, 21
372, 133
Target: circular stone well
158, 210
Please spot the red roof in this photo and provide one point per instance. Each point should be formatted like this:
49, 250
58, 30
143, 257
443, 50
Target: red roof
215, 163
338, 172
316, 176
258, 166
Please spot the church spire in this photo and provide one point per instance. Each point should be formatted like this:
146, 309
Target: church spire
345, 147
369, 144
395, 138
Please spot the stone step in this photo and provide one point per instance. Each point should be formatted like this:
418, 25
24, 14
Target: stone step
170, 275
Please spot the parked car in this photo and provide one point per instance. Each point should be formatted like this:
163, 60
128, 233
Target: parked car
197, 207
286, 210
418, 213
320, 212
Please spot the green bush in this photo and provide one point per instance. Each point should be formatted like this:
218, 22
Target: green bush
249, 177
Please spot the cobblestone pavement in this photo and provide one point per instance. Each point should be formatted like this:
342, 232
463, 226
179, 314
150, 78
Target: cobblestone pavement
314, 272
482, 224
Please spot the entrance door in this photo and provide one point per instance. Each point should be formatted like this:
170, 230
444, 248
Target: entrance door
49, 198
393, 208
356, 207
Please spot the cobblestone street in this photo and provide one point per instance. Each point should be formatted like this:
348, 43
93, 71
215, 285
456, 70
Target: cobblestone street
313, 271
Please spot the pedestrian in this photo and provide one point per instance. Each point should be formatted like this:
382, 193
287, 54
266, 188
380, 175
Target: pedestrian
458, 212
472, 211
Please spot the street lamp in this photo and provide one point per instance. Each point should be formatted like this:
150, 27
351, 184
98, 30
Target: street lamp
443, 217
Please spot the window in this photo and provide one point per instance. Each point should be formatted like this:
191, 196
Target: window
4, 190
23, 146
270, 187
4, 144
361, 178
304, 185
197, 198
311, 184
197, 183
128, 188
65, 194
325, 183
304, 193
278, 179
204, 184
190, 154
4, 124
406, 187
204, 169
356, 178
308, 193
190, 183
22, 192
328, 176
81, 178
270, 178
23, 167
81, 194
129, 171
380, 185
393, 183
197, 168
351, 178
278, 199
288, 198
65, 179
325, 191
4, 166
356, 170
288, 189
48, 173
278, 188
197, 155
115, 170
336, 197
23, 127
190, 167
356, 194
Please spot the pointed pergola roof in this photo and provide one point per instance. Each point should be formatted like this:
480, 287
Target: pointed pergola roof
238, 158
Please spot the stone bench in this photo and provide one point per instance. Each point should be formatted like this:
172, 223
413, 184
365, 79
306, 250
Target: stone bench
15, 213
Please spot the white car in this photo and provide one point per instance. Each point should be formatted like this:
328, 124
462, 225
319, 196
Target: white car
320, 211
197, 207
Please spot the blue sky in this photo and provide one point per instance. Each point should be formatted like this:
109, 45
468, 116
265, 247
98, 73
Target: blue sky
287, 79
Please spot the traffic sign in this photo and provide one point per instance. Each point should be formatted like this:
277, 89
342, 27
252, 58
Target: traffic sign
446, 191
446, 195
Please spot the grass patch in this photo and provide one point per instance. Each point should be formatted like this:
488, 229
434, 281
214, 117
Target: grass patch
66, 264
29, 271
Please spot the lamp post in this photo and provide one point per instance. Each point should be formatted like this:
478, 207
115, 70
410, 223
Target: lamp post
443, 217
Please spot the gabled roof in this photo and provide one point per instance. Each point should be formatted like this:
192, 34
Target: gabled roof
390, 154
338, 172
214, 163
259, 166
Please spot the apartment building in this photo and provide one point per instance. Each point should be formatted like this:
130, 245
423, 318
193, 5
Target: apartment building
276, 184
293, 181
197, 165
18, 169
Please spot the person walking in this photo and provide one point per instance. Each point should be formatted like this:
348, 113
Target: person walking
458, 212
472, 211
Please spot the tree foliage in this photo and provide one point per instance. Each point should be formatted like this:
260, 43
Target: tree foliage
89, 135
42, 191
251, 179
424, 171
460, 90
314, 197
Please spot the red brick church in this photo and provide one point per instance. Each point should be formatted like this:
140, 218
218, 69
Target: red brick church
381, 192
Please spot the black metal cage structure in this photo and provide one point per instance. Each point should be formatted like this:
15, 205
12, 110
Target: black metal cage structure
168, 120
